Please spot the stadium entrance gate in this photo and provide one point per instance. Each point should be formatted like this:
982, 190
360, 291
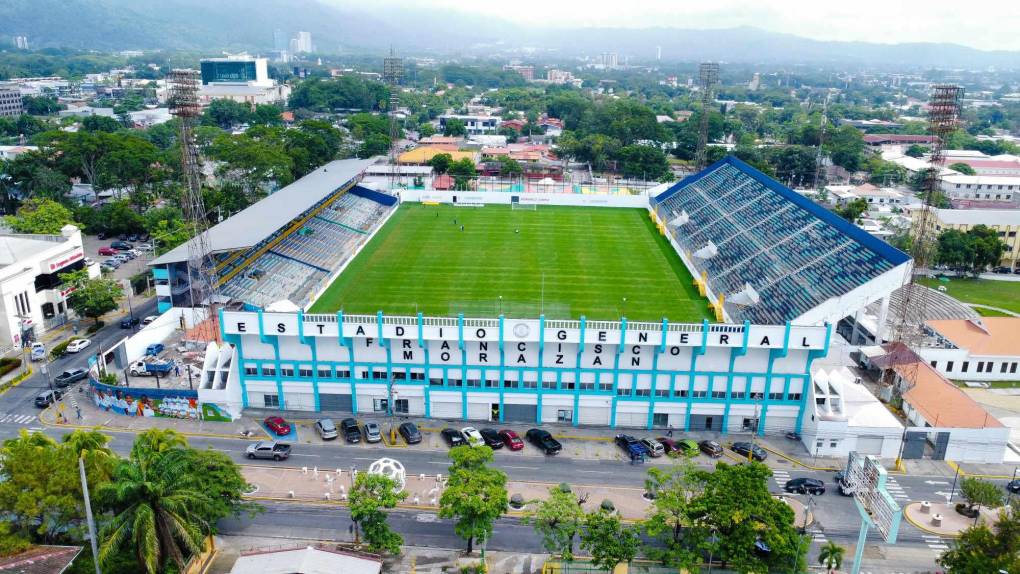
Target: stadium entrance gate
333, 402
706, 422
520, 413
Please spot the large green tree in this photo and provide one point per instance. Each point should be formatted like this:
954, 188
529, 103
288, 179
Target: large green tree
608, 540
669, 516
983, 550
845, 145
979, 492
557, 520
745, 527
370, 497
643, 162
226, 113
40, 490
475, 495
454, 127
91, 298
45, 217
463, 172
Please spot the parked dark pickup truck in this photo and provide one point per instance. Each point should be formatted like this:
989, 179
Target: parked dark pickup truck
269, 450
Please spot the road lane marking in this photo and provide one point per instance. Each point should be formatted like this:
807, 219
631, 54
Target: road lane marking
522, 467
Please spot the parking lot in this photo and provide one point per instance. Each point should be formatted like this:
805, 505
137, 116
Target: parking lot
125, 271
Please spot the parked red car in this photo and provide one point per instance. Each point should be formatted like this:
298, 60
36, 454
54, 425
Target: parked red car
278, 425
108, 251
511, 440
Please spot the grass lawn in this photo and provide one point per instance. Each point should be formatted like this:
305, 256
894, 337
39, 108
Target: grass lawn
1002, 294
989, 312
602, 263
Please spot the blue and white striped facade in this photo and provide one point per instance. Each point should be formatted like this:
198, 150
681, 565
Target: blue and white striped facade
605, 373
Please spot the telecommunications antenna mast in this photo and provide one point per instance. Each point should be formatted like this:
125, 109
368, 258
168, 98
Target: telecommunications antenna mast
184, 105
393, 70
708, 76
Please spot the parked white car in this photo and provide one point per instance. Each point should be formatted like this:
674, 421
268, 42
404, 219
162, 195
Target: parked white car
149, 319
474, 438
77, 345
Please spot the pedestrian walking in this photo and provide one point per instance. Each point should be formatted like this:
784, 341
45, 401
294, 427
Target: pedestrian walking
177, 370
669, 432
77, 411
462, 228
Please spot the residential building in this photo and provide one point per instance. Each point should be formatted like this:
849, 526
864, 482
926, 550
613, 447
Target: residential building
526, 72
554, 76
984, 349
32, 296
9, 152
1004, 221
940, 417
302, 43
982, 188
475, 124
10, 101
874, 195
897, 141
307, 560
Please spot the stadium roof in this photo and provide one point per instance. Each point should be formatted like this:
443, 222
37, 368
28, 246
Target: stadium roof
773, 254
256, 222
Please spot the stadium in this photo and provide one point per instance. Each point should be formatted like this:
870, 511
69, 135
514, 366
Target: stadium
698, 306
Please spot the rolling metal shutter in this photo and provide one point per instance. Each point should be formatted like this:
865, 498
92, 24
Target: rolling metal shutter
869, 445
333, 402
445, 410
593, 416
520, 413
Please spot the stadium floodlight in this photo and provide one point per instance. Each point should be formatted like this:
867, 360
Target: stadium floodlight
865, 478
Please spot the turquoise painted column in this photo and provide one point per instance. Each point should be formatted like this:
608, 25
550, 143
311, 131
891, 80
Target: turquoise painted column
276, 354
616, 373
427, 392
655, 374
310, 341
463, 367
695, 353
538, 375
502, 369
734, 354
352, 372
773, 355
385, 344
577, 376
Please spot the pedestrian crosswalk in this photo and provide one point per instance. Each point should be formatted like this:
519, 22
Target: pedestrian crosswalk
781, 476
15, 418
936, 543
818, 536
895, 489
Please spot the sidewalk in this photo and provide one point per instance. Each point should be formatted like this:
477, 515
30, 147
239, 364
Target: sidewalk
92, 416
313, 484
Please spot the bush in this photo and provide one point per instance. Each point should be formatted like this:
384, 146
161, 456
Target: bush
608, 505
59, 349
965, 510
8, 364
564, 487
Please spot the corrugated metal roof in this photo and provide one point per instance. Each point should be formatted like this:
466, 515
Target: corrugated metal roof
258, 221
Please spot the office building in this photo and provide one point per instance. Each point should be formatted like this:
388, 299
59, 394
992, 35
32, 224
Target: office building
10, 101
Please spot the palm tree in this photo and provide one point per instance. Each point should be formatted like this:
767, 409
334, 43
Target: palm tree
156, 442
831, 556
154, 510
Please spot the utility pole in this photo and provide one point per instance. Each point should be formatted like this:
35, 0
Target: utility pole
88, 514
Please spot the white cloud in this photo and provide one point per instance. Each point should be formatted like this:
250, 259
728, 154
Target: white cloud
989, 25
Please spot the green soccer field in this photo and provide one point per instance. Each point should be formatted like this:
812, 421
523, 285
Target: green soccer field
565, 262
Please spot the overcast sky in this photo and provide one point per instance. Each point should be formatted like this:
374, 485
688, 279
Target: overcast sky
984, 24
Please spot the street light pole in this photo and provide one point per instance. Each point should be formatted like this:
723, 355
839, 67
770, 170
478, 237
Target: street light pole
88, 514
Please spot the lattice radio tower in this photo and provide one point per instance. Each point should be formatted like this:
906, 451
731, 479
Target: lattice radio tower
183, 104
393, 70
708, 76
943, 120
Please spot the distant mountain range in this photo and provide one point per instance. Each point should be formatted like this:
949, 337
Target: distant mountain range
249, 24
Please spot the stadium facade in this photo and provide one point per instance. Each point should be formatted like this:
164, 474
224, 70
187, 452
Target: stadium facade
779, 271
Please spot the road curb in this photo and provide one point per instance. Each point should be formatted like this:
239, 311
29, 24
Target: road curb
798, 462
956, 468
16, 380
923, 528
54, 424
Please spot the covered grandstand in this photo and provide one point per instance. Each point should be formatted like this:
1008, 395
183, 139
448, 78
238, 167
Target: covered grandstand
769, 254
285, 247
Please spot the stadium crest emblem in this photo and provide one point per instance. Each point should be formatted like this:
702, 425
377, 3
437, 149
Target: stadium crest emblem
521, 330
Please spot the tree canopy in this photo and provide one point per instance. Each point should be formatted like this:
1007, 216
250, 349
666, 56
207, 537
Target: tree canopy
475, 495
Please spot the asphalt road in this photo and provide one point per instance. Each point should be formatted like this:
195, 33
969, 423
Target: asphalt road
18, 401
